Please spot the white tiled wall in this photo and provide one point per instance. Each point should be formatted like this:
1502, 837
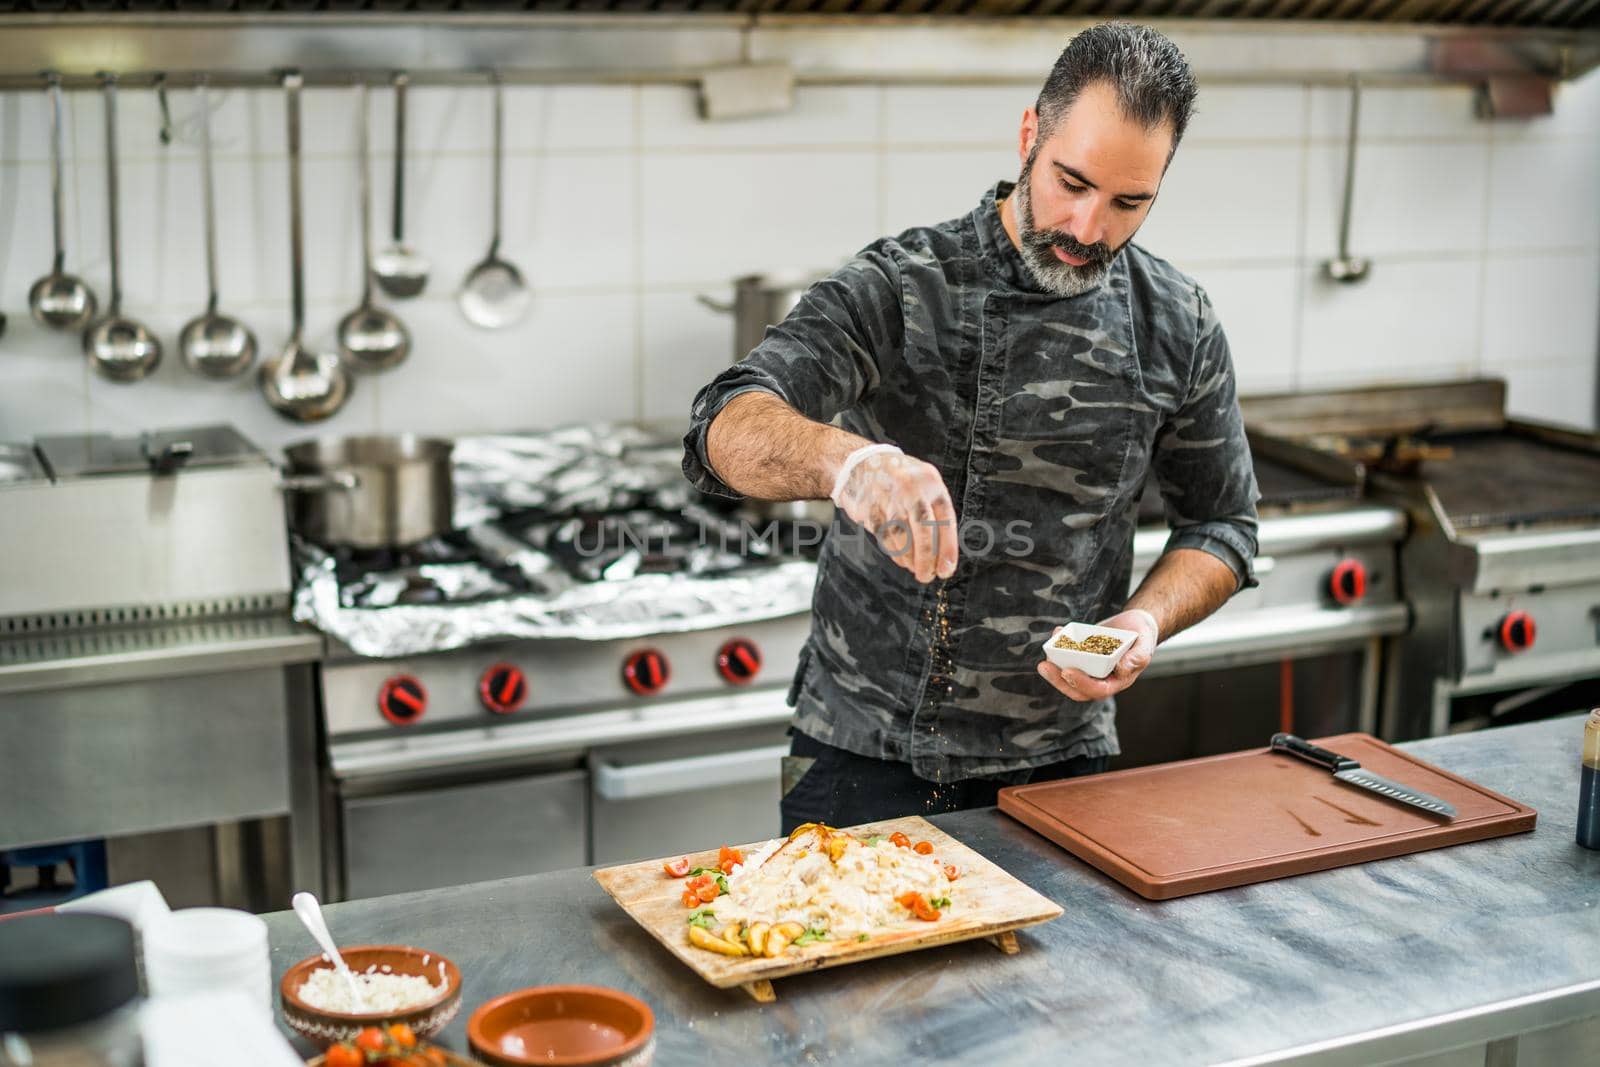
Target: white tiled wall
623, 206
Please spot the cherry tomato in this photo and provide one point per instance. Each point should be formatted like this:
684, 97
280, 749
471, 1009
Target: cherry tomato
401, 1035
676, 868
690, 898
728, 858
372, 1040
951, 872
435, 1057
344, 1056
922, 848
708, 893
900, 839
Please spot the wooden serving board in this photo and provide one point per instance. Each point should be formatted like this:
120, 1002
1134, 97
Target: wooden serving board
987, 902
1197, 825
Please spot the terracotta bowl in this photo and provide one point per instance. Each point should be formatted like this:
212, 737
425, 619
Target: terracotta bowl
564, 1026
328, 1027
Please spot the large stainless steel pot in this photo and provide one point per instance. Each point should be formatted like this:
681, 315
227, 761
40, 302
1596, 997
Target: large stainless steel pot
375, 491
759, 301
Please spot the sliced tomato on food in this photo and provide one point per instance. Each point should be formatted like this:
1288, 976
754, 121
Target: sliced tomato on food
698, 881
951, 872
923, 910
690, 898
728, 858
922, 848
908, 901
676, 868
708, 893
900, 839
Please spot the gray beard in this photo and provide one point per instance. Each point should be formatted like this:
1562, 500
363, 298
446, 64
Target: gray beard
1052, 275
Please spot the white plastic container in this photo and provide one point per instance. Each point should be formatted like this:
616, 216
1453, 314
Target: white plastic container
1087, 662
200, 949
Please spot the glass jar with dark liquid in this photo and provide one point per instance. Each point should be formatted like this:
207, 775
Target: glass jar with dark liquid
1589, 789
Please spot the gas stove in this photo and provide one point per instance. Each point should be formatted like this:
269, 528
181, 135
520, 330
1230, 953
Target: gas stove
578, 675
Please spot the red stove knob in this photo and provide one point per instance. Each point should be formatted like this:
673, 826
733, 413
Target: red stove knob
1348, 582
1517, 631
739, 661
503, 688
646, 672
402, 700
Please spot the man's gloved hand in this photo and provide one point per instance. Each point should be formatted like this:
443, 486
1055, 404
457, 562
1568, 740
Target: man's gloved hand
905, 504
1079, 686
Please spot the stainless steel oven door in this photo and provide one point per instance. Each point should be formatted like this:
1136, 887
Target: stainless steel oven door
686, 795
425, 838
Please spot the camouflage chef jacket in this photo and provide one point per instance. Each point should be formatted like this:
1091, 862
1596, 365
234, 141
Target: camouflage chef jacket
1046, 416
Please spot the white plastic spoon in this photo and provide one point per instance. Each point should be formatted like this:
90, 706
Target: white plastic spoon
309, 909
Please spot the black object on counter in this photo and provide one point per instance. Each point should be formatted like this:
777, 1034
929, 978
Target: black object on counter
1589, 784
59, 971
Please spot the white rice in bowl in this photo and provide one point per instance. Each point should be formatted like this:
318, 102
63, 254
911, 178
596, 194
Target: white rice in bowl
324, 990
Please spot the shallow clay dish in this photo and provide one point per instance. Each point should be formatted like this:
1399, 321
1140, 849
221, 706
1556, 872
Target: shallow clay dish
564, 1026
327, 1027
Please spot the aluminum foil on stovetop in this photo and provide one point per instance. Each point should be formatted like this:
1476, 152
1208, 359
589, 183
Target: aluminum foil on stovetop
565, 471
583, 532
603, 610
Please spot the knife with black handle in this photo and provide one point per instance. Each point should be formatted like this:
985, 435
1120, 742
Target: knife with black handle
1348, 770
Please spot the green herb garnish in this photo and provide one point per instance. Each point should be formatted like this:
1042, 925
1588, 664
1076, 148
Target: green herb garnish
939, 902
704, 918
872, 842
861, 937
810, 936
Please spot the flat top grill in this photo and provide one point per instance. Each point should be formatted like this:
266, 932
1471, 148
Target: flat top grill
1282, 486
1504, 479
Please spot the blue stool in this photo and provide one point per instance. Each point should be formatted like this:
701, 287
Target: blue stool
86, 858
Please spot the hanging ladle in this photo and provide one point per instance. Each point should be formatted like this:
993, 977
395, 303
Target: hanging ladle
494, 294
401, 270
120, 348
1345, 267
370, 337
213, 345
59, 301
301, 385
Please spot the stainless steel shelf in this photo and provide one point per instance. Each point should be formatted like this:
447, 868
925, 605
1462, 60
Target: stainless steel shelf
100, 657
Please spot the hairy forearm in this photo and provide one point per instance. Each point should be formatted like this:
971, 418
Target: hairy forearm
763, 448
1184, 587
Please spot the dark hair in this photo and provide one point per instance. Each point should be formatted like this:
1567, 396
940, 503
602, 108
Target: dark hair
1150, 75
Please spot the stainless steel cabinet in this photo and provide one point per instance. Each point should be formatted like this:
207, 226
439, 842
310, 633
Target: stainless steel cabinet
427, 838
686, 795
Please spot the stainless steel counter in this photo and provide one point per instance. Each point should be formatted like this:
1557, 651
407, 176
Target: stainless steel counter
1364, 965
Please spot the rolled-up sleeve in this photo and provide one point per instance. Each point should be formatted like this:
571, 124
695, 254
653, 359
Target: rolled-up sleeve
1202, 459
822, 359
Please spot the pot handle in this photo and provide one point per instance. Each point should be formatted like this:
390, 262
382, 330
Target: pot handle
714, 304
318, 483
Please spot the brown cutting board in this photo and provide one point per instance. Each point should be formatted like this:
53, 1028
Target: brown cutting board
986, 902
1197, 825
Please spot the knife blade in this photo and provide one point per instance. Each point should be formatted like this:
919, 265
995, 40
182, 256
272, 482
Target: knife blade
1350, 771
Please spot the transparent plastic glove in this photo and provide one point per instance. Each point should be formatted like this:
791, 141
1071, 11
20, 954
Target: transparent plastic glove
1075, 684
904, 503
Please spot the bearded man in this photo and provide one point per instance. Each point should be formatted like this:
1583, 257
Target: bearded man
1005, 384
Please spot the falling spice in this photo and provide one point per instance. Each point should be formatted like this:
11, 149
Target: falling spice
941, 681
1094, 644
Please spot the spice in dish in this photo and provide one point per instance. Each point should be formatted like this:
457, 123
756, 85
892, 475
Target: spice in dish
1094, 644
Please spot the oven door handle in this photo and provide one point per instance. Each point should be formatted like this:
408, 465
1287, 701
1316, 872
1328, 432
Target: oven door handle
617, 781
